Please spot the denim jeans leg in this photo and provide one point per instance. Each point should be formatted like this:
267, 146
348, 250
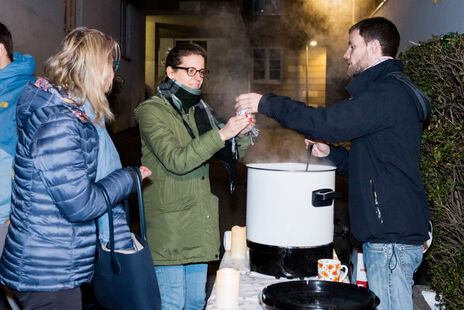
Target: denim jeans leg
409, 259
171, 286
390, 268
375, 257
195, 286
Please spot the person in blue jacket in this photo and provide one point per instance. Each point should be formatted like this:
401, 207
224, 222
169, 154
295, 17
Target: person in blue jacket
15, 71
383, 120
56, 197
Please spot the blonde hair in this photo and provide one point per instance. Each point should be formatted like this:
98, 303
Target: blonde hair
82, 65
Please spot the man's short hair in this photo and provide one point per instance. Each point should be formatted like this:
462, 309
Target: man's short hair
6, 40
381, 29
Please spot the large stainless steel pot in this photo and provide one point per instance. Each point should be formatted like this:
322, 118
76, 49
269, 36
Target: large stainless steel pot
289, 217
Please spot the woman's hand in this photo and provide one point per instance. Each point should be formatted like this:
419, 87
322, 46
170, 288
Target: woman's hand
234, 126
249, 127
145, 172
319, 149
248, 102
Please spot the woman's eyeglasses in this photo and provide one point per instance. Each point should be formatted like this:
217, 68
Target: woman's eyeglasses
191, 71
115, 65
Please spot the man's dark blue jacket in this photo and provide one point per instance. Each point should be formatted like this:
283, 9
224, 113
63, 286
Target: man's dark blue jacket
387, 200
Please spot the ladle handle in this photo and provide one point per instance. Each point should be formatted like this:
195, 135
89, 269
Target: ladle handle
310, 150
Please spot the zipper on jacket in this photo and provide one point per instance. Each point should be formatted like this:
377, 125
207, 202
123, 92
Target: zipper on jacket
376, 202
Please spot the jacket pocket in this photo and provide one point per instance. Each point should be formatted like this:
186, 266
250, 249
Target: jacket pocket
179, 232
185, 203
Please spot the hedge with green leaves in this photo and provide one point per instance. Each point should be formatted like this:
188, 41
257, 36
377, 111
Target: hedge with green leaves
437, 66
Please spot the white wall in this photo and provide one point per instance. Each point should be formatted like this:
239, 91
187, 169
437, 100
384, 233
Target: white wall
418, 20
38, 29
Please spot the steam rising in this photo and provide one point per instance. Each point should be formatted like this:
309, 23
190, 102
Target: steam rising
230, 61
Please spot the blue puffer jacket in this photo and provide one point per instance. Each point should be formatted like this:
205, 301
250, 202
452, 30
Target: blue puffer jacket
51, 240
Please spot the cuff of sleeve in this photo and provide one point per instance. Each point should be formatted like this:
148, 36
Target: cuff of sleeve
217, 138
331, 152
264, 104
211, 142
134, 179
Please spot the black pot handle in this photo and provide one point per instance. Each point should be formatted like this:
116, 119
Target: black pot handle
324, 197
377, 301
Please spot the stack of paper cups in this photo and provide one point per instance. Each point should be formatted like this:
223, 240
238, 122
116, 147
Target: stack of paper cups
227, 240
238, 246
227, 288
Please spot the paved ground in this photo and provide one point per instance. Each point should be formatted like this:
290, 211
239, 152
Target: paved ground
233, 206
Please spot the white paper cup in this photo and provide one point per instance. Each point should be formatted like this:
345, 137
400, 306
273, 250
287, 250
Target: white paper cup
227, 240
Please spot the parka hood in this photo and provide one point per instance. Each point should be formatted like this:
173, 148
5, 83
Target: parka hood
22, 65
13, 79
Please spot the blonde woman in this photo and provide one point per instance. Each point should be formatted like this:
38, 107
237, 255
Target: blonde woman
63, 150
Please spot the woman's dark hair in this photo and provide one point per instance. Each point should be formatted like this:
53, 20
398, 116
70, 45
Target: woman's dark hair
381, 29
181, 50
6, 40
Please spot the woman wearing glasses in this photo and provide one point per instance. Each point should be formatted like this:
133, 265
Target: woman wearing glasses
62, 153
179, 135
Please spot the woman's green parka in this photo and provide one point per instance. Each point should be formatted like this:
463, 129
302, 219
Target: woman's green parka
181, 212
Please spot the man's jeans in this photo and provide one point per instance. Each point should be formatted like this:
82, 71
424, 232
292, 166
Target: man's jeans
390, 270
182, 286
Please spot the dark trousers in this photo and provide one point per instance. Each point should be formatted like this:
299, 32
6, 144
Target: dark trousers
51, 300
4, 305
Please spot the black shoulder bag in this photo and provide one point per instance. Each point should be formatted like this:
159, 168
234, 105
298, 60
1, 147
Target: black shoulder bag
126, 280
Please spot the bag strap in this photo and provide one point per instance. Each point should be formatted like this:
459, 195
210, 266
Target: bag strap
114, 263
424, 106
138, 187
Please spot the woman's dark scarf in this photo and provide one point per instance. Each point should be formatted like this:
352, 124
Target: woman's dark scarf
182, 98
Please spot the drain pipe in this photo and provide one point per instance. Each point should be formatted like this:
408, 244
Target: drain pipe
378, 8
307, 75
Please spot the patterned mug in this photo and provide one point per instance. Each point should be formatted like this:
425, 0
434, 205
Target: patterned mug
330, 270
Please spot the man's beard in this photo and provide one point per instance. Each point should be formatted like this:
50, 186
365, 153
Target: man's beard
355, 70
359, 67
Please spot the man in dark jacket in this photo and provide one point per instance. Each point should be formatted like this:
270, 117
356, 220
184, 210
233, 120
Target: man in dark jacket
383, 121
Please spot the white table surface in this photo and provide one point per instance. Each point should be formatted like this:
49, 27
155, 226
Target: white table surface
251, 284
